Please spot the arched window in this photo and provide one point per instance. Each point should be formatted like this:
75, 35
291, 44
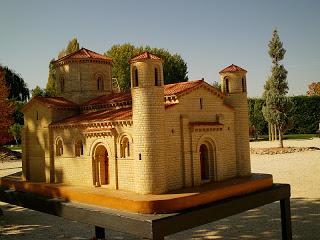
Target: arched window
124, 148
227, 85
244, 87
156, 83
136, 78
204, 162
78, 148
62, 84
100, 83
59, 148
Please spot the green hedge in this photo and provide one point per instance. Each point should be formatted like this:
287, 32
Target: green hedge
305, 115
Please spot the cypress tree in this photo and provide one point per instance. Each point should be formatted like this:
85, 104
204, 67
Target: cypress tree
276, 87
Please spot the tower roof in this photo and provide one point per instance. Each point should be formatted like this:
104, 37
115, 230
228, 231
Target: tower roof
232, 68
84, 53
145, 55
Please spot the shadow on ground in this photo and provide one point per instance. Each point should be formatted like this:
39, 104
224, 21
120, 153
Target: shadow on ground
261, 223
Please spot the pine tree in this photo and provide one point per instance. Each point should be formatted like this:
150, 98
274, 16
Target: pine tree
277, 104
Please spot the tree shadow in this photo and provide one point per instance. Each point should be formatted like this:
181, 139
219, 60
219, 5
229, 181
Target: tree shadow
262, 223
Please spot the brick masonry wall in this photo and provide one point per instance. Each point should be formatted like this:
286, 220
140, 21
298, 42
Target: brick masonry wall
80, 84
238, 99
183, 157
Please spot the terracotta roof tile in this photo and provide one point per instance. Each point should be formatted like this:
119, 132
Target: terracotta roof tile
145, 55
178, 88
52, 102
99, 116
84, 53
111, 98
170, 89
232, 68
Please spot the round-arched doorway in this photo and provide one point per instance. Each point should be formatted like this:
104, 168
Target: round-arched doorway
208, 161
101, 166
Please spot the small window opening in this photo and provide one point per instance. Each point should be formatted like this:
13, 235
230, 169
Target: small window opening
136, 78
140, 158
244, 87
125, 148
201, 102
37, 115
79, 148
100, 83
156, 83
59, 148
227, 85
62, 84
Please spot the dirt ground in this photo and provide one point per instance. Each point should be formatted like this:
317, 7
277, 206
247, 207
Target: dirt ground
300, 169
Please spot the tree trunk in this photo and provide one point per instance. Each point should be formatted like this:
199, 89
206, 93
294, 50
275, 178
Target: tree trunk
280, 139
16, 140
269, 130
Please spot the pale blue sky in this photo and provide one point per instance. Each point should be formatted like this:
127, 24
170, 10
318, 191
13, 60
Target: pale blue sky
209, 35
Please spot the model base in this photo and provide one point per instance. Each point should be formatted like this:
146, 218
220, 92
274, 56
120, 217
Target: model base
132, 202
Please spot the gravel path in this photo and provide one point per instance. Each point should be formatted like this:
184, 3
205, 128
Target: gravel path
301, 170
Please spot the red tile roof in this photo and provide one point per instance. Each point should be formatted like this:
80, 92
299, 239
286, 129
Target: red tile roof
52, 102
169, 89
111, 98
232, 68
178, 88
99, 116
145, 55
84, 53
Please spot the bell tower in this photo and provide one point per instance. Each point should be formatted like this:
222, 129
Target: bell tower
148, 114
234, 86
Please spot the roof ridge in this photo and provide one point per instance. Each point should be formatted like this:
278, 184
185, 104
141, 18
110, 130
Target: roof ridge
86, 52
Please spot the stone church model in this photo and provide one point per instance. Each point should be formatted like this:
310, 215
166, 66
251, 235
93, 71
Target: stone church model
152, 139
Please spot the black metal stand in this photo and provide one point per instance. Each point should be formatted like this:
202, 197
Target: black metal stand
155, 226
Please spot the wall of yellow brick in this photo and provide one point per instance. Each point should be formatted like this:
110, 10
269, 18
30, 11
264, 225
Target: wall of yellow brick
238, 99
80, 80
184, 167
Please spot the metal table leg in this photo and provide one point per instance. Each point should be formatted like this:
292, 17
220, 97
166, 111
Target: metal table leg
100, 232
286, 219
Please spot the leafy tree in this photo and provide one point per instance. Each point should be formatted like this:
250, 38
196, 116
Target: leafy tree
217, 85
174, 67
17, 114
277, 104
15, 131
121, 54
38, 91
314, 89
6, 108
256, 119
18, 88
72, 46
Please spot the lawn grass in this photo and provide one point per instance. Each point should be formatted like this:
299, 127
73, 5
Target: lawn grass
300, 136
13, 147
288, 136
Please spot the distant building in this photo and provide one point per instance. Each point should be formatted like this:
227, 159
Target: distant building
152, 139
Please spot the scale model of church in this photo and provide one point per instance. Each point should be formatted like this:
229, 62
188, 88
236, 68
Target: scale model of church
150, 140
